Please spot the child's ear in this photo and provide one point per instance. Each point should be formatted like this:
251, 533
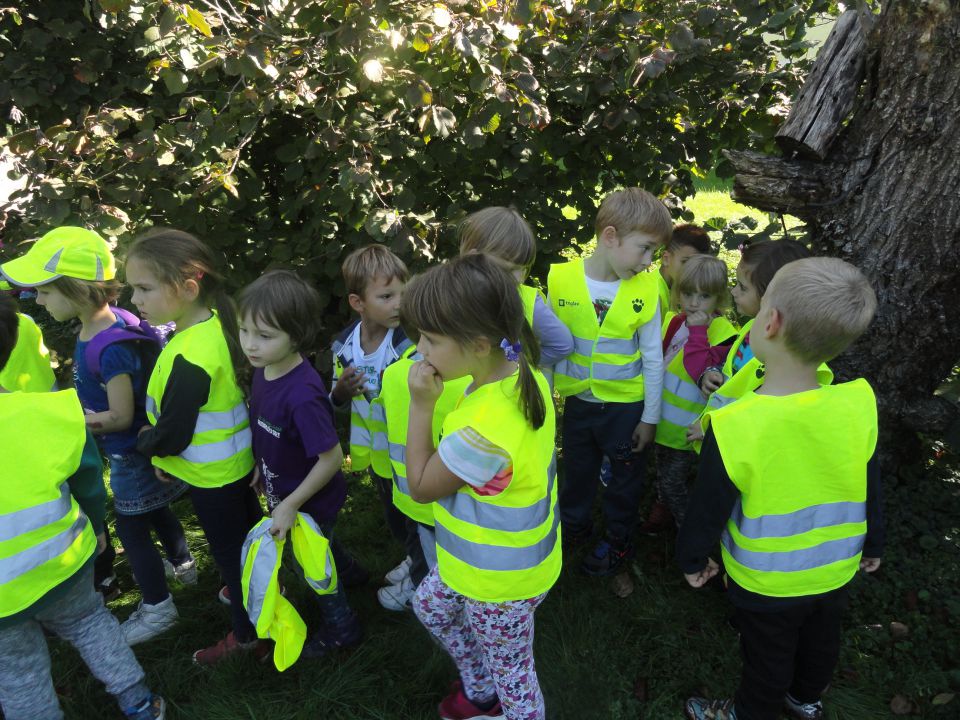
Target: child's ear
190, 290
482, 346
356, 302
774, 323
609, 237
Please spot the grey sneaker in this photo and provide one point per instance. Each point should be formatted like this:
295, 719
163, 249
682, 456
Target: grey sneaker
185, 573
148, 621
802, 711
397, 597
400, 573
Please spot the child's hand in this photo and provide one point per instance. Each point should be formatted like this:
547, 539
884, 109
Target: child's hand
698, 318
349, 384
695, 432
284, 516
643, 435
869, 564
257, 482
425, 383
163, 476
710, 381
699, 579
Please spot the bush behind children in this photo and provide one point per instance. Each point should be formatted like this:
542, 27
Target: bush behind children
462, 425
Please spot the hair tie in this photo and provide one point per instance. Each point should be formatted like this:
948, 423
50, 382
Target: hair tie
511, 351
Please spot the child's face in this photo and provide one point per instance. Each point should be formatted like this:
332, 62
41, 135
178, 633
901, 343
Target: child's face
672, 262
445, 355
264, 344
699, 301
631, 253
380, 304
156, 302
744, 293
57, 304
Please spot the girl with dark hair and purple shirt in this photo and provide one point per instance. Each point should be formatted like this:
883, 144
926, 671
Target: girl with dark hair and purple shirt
295, 445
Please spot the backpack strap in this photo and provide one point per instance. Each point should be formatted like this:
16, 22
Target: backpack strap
103, 339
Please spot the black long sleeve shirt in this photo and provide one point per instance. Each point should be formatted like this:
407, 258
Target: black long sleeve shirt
187, 390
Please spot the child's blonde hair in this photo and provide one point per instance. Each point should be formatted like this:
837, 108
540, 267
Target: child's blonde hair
501, 232
365, 264
634, 210
89, 293
706, 274
825, 303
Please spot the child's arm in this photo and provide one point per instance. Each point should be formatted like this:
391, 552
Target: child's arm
651, 351
347, 383
556, 340
699, 354
187, 390
428, 477
119, 415
285, 514
711, 503
876, 532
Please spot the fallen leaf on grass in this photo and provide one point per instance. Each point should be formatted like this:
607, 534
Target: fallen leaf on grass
898, 630
942, 698
622, 585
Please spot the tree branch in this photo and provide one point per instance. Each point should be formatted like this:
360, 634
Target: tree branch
785, 186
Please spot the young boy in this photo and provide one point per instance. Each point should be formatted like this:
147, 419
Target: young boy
374, 279
612, 381
789, 483
50, 503
685, 242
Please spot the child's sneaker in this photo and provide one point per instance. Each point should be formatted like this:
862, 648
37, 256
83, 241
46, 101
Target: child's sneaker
148, 621
153, 708
457, 706
802, 711
327, 640
228, 647
400, 573
109, 588
185, 573
698, 708
397, 597
606, 472
607, 558
658, 520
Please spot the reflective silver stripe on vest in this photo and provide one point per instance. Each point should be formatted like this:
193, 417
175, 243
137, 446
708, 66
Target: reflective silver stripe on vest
675, 415
801, 521
150, 406
378, 412
359, 435
33, 518
380, 441
398, 452
222, 450
223, 420
33, 557
322, 585
617, 346
401, 483
467, 508
572, 370
718, 401
582, 346
682, 388
609, 371
262, 572
498, 557
825, 553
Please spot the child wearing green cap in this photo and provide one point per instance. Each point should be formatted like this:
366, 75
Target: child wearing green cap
73, 272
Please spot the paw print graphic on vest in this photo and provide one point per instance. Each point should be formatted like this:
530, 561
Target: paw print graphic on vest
760, 372
637, 304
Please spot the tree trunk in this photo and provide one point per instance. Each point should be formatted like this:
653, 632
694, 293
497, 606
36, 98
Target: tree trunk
887, 199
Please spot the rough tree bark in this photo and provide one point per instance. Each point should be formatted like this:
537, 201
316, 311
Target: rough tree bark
886, 198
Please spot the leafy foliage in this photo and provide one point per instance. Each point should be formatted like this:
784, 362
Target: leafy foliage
291, 130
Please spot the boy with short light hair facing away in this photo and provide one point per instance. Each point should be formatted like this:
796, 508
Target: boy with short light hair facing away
374, 279
789, 483
612, 381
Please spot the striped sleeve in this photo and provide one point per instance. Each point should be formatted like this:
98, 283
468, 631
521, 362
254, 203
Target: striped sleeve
473, 458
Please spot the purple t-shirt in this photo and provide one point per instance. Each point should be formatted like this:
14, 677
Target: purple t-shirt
292, 423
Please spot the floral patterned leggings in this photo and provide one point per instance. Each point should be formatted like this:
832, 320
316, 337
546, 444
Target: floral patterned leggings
490, 643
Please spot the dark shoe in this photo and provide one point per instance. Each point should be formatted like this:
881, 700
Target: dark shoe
328, 640
260, 649
698, 708
109, 588
572, 539
153, 708
658, 520
607, 558
353, 575
802, 711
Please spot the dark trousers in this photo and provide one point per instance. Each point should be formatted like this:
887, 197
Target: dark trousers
226, 515
794, 650
336, 612
136, 536
590, 431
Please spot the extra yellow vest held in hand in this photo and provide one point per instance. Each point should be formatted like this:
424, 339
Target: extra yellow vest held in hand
395, 401
220, 451
44, 536
496, 548
800, 464
28, 369
606, 358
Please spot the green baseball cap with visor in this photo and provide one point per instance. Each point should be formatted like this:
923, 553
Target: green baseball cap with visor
66, 251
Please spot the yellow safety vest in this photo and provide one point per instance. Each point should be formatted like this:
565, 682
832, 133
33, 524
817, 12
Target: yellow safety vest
44, 536
28, 369
220, 450
528, 296
395, 399
496, 548
682, 401
272, 614
664, 293
800, 464
606, 358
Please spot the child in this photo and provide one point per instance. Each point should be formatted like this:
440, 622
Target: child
199, 431
505, 236
693, 340
374, 278
295, 444
28, 368
492, 483
789, 483
613, 378
685, 242
73, 272
46, 580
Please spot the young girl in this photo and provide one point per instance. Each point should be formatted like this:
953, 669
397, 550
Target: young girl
492, 480
505, 236
73, 272
693, 340
199, 431
295, 444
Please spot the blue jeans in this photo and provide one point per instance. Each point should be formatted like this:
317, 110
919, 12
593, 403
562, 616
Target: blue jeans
135, 486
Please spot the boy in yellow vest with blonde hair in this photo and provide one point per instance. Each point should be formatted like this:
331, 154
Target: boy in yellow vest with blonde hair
612, 380
789, 483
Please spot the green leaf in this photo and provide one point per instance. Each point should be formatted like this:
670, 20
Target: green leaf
175, 80
420, 44
167, 158
444, 121
197, 21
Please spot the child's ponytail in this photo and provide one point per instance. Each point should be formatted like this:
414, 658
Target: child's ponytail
531, 397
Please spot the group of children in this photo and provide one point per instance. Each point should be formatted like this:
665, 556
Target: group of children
456, 424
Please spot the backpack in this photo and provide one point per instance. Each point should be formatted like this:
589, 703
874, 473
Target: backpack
150, 341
